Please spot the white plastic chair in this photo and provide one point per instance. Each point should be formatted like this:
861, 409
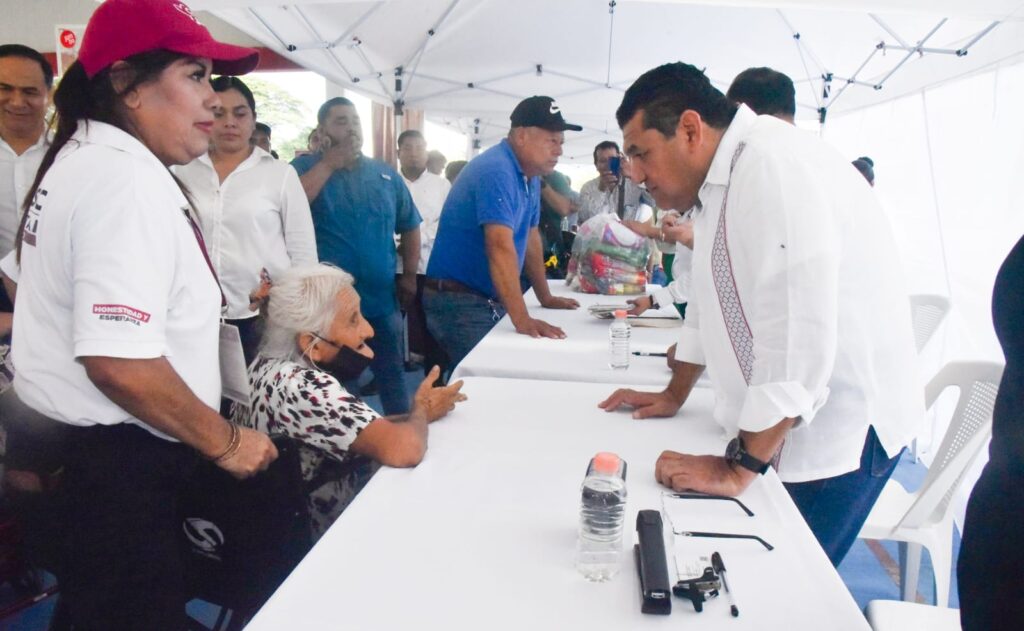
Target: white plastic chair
895, 615
925, 518
927, 311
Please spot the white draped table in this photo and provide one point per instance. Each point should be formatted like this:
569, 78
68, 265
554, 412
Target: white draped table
582, 356
481, 534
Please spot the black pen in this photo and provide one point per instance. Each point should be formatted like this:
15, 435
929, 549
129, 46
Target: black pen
719, 567
646, 354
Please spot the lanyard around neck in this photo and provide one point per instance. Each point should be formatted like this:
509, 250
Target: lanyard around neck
206, 255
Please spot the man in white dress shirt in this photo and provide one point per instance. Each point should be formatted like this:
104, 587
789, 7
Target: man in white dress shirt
428, 191
797, 306
25, 81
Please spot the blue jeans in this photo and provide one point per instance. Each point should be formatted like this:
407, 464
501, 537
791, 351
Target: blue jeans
387, 364
459, 321
836, 508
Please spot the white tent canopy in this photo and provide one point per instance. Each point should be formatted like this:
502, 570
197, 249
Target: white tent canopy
468, 60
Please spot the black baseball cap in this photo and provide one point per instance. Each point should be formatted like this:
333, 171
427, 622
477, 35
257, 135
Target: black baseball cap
543, 112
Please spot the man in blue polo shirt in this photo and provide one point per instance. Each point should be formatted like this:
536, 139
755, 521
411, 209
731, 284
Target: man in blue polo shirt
358, 205
488, 234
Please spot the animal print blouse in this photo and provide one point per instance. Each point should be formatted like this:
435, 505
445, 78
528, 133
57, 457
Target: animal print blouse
311, 406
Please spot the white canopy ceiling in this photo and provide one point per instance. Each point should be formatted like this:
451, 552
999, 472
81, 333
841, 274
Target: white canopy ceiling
464, 60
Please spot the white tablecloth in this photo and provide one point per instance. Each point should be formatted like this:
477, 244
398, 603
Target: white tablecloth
481, 534
582, 356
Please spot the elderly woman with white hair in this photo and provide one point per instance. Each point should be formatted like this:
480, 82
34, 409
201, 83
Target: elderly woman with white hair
314, 340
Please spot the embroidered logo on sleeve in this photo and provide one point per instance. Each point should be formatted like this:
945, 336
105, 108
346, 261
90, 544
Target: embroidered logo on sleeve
121, 313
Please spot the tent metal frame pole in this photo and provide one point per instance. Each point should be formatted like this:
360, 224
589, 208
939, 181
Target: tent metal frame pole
596, 84
471, 85
417, 55
270, 29
331, 53
852, 80
800, 51
911, 53
888, 29
359, 22
611, 33
357, 46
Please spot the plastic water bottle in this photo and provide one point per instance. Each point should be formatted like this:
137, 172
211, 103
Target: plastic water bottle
618, 336
602, 510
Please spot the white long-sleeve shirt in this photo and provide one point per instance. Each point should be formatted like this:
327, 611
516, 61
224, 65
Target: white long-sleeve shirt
258, 217
17, 172
797, 305
428, 193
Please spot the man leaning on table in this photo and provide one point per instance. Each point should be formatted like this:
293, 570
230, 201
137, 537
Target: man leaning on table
488, 235
796, 307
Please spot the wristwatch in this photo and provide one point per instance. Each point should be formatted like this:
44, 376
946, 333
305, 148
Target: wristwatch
736, 452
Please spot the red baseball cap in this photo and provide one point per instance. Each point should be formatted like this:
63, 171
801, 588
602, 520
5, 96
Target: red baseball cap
122, 28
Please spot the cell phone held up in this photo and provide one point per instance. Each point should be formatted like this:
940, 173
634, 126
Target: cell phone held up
615, 165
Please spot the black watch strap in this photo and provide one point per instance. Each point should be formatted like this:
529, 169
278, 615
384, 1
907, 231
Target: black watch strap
736, 452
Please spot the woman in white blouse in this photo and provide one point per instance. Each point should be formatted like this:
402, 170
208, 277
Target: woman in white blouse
252, 209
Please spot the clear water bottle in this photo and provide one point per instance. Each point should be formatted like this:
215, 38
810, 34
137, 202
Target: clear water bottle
602, 510
618, 336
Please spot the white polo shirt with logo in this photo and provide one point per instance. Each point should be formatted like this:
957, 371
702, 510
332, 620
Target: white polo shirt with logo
110, 267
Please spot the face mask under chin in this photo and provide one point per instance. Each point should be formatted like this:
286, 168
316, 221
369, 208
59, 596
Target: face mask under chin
346, 365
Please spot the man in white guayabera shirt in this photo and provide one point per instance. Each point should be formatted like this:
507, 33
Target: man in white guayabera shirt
797, 306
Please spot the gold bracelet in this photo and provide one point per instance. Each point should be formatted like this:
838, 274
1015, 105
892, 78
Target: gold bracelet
233, 443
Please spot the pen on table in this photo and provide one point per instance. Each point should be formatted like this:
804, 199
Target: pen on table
646, 354
719, 567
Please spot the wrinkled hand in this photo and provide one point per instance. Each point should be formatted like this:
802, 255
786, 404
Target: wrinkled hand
642, 228
406, 290
258, 297
644, 404
641, 304
558, 302
437, 402
255, 453
539, 328
705, 474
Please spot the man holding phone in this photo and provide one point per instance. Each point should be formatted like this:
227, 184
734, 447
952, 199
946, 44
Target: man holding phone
602, 195
358, 205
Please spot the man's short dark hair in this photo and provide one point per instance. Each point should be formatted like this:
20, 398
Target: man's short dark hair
665, 92
325, 109
765, 91
409, 134
607, 144
20, 50
224, 83
263, 127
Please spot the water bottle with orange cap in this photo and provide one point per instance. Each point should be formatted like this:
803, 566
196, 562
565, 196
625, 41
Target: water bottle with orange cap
602, 511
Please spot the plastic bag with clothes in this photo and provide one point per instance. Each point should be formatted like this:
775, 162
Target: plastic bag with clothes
608, 258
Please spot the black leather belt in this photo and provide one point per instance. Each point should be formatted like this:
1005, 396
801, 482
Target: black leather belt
449, 286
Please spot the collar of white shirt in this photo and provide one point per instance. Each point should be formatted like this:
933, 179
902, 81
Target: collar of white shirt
41, 143
721, 164
257, 156
97, 133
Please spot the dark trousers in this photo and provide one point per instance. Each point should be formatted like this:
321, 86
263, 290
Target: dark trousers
113, 527
990, 571
251, 331
420, 339
458, 321
836, 508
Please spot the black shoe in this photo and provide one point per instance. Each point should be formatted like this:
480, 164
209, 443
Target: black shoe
370, 388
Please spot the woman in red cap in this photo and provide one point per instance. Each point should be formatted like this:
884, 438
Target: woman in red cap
116, 327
